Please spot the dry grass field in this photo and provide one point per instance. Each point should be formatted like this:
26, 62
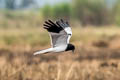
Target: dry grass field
97, 55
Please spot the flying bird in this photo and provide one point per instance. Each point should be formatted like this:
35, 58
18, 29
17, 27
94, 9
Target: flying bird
60, 34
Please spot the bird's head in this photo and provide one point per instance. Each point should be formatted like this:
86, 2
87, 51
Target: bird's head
70, 47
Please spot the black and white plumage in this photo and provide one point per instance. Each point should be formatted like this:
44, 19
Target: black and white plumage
60, 34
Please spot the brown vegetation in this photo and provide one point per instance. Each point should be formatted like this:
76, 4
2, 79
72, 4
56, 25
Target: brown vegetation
96, 57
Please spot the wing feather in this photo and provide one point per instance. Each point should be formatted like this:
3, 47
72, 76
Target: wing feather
65, 25
57, 33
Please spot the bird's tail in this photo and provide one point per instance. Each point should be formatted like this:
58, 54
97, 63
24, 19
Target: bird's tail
43, 51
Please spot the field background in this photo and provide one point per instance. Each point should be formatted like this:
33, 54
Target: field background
96, 35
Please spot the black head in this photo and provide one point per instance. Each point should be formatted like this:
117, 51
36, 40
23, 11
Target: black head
70, 47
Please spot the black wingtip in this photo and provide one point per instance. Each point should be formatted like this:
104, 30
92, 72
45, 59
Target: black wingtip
45, 27
48, 23
58, 23
50, 20
52, 27
61, 19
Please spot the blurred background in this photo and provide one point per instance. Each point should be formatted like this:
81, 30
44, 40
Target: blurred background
96, 35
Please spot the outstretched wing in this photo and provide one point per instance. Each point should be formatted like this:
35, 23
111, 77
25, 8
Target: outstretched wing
65, 25
57, 33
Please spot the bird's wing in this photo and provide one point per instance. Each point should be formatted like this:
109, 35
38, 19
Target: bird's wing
57, 33
65, 25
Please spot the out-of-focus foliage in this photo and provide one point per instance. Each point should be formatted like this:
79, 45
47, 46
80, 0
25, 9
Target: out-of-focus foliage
91, 11
85, 12
47, 11
116, 13
26, 3
17, 19
57, 11
10, 4
13, 4
62, 10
